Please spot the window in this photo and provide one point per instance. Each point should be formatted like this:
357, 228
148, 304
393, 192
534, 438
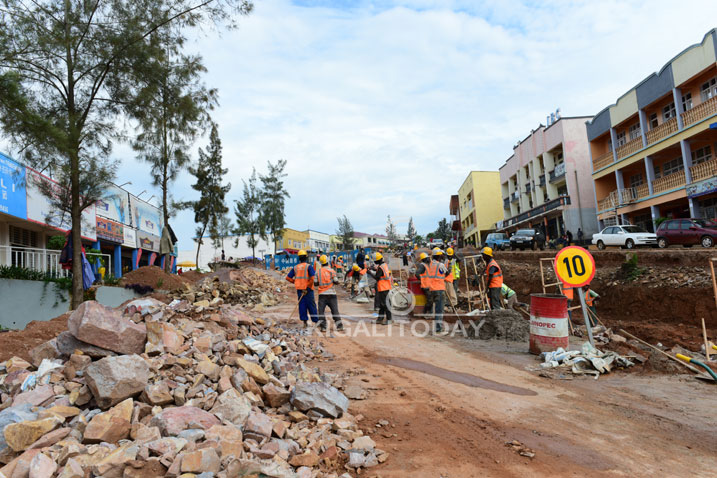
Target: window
708, 207
701, 155
636, 180
635, 131
621, 139
672, 167
633, 229
653, 121
22, 237
687, 102
685, 224
673, 225
709, 89
668, 112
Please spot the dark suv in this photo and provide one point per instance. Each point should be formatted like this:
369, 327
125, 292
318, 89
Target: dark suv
527, 238
687, 232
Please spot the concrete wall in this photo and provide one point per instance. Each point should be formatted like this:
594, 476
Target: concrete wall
578, 169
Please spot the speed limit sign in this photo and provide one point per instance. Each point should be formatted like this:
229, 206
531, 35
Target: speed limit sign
574, 266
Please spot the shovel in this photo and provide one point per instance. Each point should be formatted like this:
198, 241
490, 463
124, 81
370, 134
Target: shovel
697, 362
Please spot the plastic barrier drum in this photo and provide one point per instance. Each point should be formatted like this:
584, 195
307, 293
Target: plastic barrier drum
548, 322
414, 286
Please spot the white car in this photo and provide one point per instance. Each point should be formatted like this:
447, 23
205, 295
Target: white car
624, 236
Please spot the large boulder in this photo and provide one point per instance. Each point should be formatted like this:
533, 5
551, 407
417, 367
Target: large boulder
68, 343
114, 379
98, 325
319, 397
15, 414
171, 421
232, 406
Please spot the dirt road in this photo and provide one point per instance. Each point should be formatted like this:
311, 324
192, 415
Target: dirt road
452, 405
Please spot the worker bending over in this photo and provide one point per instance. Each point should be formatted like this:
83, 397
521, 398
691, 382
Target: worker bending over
437, 287
384, 281
327, 294
493, 278
590, 297
454, 273
302, 276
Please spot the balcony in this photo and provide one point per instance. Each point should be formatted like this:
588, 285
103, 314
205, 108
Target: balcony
666, 183
557, 173
514, 197
705, 170
662, 131
527, 188
536, 211
506, 203
542, 179
631, 147
700, 112
611, 201
602, 160
634, 194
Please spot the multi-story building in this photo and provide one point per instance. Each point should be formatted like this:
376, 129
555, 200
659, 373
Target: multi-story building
293, 240
480, 209
318, 241
653, 152
374, 241
455, 212
546, 182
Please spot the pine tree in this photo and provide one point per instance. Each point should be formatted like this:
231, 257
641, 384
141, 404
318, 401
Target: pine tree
210, 207
444, 231
411, 232
273, 200
391, 231
249, 217
346, 233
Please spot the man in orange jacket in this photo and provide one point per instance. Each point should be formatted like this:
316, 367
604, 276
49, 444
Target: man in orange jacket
493, 278
302, 276
327, 294
384, 282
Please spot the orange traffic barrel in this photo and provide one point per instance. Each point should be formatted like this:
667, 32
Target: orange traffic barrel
414, 286
548, 322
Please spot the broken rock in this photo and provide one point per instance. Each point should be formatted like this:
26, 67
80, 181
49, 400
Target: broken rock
171, 421
114, 379
104, 327
233, 407
319, 397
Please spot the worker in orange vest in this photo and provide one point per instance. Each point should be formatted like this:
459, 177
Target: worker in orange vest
493, 278
454, 271
569, 294
590, 297
437, 288
339, 261
356, 275
326, 278
302, 276
422, 275
384, 282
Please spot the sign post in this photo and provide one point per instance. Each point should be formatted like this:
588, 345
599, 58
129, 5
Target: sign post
575, 267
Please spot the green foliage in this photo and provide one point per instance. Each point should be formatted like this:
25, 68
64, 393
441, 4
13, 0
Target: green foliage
94, 257
659, 221
21, 273
345, 233
444, 231
273, 200
56, 243
249, 217
411, 233
111, 280
159, 283
629, 270
391, 231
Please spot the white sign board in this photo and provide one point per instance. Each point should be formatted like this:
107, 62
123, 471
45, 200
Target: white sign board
114, 205
130, 238
145, 217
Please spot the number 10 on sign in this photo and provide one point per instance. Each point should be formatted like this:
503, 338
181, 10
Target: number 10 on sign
575, 267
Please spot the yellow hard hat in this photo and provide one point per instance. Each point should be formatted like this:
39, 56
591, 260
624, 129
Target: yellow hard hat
379, 256
302, 252
323, 259
356, 267
449, 251
487, 251
437, 251
423, 256
415, 247
367, 257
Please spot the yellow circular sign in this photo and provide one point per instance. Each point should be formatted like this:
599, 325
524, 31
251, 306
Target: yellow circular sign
574, 266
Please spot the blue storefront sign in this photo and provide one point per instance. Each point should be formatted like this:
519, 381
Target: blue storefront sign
13, 198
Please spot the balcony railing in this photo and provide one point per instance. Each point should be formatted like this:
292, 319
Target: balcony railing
611, 201
558, 172
542, 179
632, 146
602, 160
665, 129
634, 193
666, 183
506, 203
41, 260
700, 112
704, 170
514, 197
536, 211
527, 188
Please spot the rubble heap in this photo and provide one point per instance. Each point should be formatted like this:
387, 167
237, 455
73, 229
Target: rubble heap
244, 286
154, 390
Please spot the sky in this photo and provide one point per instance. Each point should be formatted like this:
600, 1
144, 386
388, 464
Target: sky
383, 107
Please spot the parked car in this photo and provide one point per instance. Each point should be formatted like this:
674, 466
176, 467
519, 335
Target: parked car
624, 236
527, 238
435, 243
687, 232
497, 240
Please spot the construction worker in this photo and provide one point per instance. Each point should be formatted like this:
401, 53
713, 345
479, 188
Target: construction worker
437, 287
493, 278
302, 276
454, 273
384, 282
422, 275
590, 297
326, 279
509, 295
568, 292
340, 266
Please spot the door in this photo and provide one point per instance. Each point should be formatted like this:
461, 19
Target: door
689, 232
672, 232
609, 236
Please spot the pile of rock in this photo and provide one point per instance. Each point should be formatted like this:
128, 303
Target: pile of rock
154, 390
245, 286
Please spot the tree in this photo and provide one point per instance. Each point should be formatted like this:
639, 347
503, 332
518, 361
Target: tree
273, 199
172, 109
444, 231
65, 67
222, 229
345, 233
391, 231
250, 220
210, 207
411, 232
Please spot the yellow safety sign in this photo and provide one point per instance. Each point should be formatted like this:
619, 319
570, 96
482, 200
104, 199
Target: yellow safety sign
574, 266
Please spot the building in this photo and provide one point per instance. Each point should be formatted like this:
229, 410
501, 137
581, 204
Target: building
373, 241
546, 182
235, 247
123, 227
653, 152
318, 241
293, 240
480, 209
336, 244
455, 212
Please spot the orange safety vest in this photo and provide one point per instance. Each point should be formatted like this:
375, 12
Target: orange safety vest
326, 279
449, 276
436, 280
424, 277
340, 263
301, 280
568, 292
589, 299
497, 280
384, 282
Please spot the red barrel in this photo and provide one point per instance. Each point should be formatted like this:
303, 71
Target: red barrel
414, 286
548, 322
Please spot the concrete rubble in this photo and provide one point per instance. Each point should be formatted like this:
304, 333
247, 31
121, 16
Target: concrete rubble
210, 390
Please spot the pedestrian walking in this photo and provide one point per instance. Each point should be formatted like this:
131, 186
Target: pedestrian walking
302, 276
569, 236
580, 236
